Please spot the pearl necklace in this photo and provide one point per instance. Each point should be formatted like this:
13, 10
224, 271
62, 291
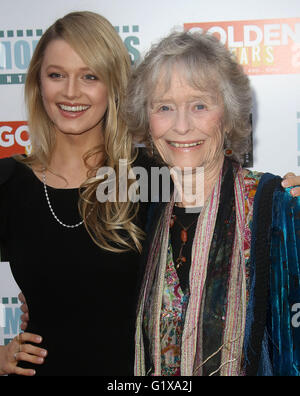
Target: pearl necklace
51, 209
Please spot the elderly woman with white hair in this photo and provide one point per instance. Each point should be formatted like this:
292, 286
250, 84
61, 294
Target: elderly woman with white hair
220, 280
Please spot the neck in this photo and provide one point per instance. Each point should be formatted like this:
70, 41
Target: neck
67, 168
211, 175
197, 186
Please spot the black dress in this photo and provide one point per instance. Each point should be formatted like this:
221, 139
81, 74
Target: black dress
81, 298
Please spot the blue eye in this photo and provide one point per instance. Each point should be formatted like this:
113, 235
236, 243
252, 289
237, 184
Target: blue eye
55, 75
164, 108
200, 107
90, 77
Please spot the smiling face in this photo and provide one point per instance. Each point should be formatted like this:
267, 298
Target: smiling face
186, 124
74, 99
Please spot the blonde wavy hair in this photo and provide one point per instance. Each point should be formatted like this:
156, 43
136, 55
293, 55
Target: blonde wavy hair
110, 224
208, 66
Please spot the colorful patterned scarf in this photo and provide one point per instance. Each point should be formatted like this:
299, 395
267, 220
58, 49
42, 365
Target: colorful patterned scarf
217, 276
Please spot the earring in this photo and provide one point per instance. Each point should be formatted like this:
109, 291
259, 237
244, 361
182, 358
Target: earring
151, 144
228, 152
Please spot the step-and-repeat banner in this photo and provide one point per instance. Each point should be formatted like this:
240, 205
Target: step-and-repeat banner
264, 35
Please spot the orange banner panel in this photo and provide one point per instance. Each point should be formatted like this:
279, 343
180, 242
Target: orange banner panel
14, 138
270, 46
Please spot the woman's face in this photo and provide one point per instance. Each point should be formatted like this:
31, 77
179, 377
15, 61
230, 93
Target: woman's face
185, 124
73, 97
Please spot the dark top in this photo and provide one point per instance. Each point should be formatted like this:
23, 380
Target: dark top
81, 298
189, 221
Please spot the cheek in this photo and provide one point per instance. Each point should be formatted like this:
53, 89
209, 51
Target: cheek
102, 99
48, 94
48, 105
214, 129
158, 127
100, 104
97, 94
215, 147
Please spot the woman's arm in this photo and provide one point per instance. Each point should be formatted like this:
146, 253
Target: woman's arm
21, 349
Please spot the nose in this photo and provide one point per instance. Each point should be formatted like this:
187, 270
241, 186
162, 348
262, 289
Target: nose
72, 88
182, 122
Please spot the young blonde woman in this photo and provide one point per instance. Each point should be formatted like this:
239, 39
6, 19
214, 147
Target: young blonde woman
81, 276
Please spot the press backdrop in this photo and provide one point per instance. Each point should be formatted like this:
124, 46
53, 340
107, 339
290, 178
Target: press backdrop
265, 36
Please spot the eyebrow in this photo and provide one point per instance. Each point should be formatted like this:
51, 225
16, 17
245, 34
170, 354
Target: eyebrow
162, 99
203, 97
62, 67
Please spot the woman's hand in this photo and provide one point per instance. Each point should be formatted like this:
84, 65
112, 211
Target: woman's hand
290, 180
24, 309
19, 350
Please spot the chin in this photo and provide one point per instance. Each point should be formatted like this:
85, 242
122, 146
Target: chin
188, 164
66, 130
